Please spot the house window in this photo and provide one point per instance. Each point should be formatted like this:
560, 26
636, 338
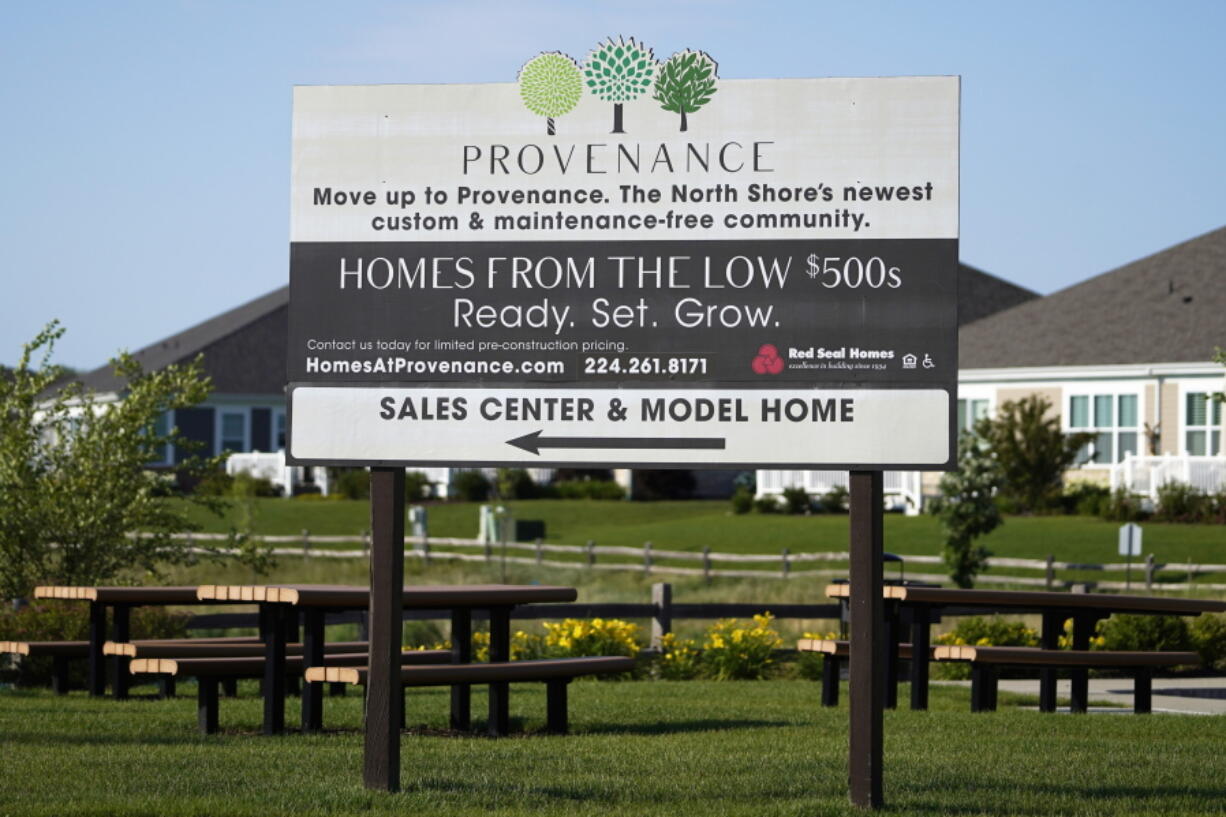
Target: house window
1112, 419
971, 412
1202, 421
233, 431
161, 427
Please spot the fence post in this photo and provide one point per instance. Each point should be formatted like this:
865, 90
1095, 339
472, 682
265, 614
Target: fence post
706, 564
539, 553
591, 552
1149, 571
662, 618
647, 558
1051, 570
787, 564
306, 544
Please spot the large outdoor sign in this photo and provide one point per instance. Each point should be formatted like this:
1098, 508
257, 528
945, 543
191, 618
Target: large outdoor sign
625, 262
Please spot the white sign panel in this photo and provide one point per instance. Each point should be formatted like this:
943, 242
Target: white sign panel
1130, 539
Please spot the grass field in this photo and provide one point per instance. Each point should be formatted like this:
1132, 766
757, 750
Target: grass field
637, 748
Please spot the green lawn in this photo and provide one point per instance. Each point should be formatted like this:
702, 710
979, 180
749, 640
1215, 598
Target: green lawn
637, 748
691, 525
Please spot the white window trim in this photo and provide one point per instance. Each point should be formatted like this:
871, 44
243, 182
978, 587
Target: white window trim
279, 417
221, 411
1115, 393
1184, 426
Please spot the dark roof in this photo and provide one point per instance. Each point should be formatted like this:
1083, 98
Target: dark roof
244, 349
981, 294
1167, 308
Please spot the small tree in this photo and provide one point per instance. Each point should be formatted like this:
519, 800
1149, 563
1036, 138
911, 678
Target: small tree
74, 487
550, 85
968, 509
619, 71
1031, 450
686, 83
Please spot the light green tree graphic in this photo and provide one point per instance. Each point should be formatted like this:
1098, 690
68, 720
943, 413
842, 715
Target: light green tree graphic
550, 85
686, 83
619, 71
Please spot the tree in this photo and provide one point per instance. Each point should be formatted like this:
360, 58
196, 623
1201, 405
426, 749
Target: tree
73, 483
1032, 451
968, 510
619, 71
686, 83
550, 85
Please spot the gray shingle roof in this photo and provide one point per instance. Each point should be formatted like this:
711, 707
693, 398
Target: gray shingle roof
1169, 307
981, 294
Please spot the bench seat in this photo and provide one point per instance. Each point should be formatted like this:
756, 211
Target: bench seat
986, 661
203, 649
835, 652
555, 673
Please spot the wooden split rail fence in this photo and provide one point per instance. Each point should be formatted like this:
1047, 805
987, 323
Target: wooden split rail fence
781, 566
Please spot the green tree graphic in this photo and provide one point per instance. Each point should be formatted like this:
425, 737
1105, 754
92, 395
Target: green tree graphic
550, 85
619, 71
686, 83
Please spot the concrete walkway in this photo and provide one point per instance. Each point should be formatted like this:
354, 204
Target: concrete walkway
1187, 696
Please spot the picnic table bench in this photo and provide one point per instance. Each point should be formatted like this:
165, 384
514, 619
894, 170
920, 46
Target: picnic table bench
836, 652
986, 661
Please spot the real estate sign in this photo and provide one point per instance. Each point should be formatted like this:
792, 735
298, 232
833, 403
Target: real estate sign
620, 265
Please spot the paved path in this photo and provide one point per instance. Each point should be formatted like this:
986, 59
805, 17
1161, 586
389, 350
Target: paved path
1189, 696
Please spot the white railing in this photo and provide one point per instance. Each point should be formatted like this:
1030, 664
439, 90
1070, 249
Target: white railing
903, 486
1145, 475
272, 467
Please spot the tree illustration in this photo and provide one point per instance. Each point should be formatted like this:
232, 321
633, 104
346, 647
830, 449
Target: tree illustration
685, 83
550, 85
619, 71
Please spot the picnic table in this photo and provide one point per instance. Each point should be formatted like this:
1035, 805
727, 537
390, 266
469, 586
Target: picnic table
120, 601
924, 606
316, 601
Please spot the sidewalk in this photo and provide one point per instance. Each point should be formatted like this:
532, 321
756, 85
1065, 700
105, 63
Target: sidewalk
1186, 696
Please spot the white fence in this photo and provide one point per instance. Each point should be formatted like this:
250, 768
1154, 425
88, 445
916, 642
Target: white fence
272, 467
1145, 475
902, 486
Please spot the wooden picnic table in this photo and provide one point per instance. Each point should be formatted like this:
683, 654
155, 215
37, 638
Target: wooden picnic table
315, 601
120, 601
924, 606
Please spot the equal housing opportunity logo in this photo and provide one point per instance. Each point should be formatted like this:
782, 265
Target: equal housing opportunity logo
617, 71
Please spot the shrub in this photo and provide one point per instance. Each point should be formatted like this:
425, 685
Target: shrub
796, 500
663, 483
525, 646
352, 483
742, 501
1180, 502
978, 631
766, 504
679, 660
1208, 635
588, 489
215, 483
470, 486
733, 652
969, 510
417, 486
1121, 506
57, 621
1084, 498
514, 483
597, 636
835, 500
1145, 633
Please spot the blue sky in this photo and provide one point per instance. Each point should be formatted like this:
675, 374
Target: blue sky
145, 145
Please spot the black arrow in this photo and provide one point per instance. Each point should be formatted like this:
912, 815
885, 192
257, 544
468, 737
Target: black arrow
534, 442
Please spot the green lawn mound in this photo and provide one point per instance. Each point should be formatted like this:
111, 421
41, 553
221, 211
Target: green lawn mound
638, 748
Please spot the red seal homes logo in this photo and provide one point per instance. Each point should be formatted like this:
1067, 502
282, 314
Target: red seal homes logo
768, 360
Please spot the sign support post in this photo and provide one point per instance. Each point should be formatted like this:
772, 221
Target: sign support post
384, 700
866, 664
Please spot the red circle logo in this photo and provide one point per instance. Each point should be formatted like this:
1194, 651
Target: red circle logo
768, 360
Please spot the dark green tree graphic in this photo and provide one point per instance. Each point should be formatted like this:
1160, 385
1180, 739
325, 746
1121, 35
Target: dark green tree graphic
550, 85
619, 71
685, 83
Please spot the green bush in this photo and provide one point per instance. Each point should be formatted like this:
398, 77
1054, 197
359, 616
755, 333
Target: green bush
515, 483
1121, 506
735, 652
679, 659
1208, 635
214, 483
417, 486
796, 500
1084, 498
247, 485
980, 631
470, 486
69, 621
663, 483
1145, 633
835, 500
352, 483
1181, 502
767, 504
742, 501
587, 489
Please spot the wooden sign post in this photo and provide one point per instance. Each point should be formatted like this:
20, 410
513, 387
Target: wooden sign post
384, 701
866, 665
